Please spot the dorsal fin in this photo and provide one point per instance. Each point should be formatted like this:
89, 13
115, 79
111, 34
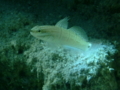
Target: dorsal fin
79, 31
63, 23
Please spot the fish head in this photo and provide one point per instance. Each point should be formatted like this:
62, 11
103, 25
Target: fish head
40, 32
46, 33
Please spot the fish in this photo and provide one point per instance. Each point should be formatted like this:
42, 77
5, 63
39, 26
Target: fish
60, 35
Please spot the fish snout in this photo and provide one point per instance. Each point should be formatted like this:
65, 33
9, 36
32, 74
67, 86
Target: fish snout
35, 31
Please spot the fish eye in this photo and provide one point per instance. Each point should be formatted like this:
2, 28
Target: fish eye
39, 30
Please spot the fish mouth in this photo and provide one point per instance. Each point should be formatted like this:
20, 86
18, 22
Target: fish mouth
44, 35
39, 34
33, 31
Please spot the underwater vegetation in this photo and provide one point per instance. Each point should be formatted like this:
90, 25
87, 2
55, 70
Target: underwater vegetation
17, 75
27, 63
73, 66
70, 70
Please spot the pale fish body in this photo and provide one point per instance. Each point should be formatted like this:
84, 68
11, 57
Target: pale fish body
60, 35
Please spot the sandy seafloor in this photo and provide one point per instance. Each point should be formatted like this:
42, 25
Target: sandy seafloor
99, 18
